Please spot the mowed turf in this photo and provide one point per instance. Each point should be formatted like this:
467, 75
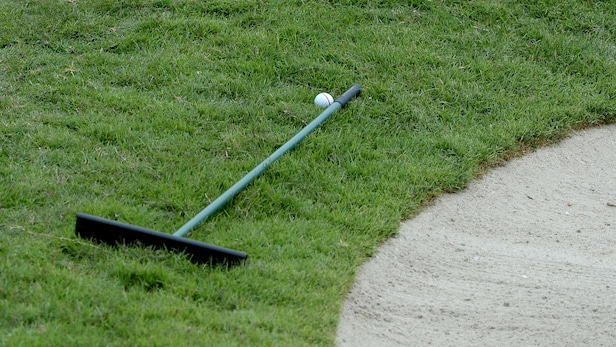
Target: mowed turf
145, 111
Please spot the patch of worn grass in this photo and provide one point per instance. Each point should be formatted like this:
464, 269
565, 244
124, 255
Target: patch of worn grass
144, 111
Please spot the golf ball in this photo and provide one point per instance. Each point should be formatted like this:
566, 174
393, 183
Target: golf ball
323, 100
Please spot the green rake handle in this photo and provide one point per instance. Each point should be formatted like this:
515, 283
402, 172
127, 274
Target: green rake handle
215, 205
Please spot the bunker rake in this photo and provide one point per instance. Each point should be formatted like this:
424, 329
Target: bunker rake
113, 232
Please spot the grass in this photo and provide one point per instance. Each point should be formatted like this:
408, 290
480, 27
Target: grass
143, 111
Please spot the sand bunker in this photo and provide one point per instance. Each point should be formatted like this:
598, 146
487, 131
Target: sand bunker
524, 256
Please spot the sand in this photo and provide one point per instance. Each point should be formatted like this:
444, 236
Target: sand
524, 256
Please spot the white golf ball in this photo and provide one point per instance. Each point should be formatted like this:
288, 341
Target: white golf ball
323, 100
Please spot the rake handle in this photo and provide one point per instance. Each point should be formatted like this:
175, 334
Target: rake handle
347, 96
215, 205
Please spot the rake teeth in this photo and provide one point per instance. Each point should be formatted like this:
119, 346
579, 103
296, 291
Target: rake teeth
113, 232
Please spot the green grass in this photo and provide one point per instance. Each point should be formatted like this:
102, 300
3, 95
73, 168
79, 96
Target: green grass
146, 110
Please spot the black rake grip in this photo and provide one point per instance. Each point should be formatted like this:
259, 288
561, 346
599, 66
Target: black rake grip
349, 94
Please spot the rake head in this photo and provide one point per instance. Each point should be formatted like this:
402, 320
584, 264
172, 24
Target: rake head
113, 232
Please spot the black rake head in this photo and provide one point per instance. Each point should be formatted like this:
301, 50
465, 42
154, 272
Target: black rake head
113, 233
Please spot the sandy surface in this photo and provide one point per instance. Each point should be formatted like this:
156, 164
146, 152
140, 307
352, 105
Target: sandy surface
525, 256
